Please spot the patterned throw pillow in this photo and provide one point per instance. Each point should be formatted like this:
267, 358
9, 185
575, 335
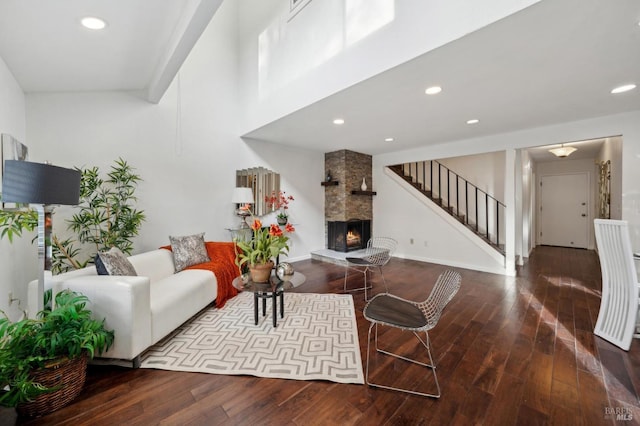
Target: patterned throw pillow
188, 250
114, 262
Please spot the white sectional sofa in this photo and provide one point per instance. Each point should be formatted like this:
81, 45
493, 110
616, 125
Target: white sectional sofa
140, 309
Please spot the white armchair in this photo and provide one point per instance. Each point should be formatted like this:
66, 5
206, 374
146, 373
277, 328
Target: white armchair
618, 315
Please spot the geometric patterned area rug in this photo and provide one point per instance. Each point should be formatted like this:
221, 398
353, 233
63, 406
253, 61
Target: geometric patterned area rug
316, 340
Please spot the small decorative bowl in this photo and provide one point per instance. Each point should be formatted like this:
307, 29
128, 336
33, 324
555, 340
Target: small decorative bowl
284, 271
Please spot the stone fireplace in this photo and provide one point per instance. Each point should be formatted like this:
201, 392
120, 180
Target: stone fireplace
348, 209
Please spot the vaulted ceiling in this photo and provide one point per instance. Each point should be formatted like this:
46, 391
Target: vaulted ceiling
553, 62
145, 43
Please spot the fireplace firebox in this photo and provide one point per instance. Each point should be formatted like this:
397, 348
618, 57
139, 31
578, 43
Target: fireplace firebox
349, 235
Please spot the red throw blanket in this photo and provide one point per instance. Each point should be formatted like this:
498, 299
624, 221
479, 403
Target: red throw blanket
223, 266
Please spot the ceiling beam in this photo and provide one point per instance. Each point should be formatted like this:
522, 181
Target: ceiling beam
187, 32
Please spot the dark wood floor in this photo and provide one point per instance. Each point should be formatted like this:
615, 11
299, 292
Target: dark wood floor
510, 351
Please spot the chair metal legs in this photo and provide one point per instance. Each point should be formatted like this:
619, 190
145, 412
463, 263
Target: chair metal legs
366, 286
426, 343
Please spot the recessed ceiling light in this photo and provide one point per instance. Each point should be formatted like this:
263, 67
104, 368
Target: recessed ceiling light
388, 140
338, 121
93, 23
433, 90
473, 121
624, 88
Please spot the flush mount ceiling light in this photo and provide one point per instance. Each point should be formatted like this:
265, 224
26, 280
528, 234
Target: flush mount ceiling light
624, 88
93, 23
338, 121
433, 90
388, 140
563, 151
473, 121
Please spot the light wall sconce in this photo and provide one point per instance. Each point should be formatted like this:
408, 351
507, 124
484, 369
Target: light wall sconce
563, 151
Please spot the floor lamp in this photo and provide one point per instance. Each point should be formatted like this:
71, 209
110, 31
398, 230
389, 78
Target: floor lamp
25, 182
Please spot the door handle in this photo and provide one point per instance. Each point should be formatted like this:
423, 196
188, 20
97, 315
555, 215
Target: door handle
584, 215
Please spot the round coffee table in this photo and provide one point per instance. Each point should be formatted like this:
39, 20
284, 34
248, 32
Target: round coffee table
273, 289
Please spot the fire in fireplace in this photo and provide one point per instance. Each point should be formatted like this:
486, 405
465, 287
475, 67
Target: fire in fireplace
347, 236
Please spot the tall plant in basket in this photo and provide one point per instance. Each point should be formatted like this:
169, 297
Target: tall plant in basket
43, 360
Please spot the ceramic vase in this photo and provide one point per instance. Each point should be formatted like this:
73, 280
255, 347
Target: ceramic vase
260, 273
364, 185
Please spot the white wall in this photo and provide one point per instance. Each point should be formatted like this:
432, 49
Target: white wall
186, 148
18, 261
486, 171
528, 205
390, 203
331, 44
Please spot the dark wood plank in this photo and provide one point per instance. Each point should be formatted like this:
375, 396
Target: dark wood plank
509, 350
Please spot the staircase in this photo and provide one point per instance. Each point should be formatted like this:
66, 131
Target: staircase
472, 207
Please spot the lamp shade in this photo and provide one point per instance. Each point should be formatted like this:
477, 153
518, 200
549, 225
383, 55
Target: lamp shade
242, 196
37, 183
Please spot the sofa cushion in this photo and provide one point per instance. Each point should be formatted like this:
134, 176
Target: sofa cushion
188, 250
114, 262
155, 264
178, 297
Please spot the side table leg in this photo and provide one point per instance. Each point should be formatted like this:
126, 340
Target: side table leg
282, 304
274, 299
264, 304
255, 308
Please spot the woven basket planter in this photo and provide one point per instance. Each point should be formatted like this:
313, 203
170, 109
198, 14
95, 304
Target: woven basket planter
67, 375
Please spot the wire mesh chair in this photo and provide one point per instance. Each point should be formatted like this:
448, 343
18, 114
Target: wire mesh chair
375, 256
389, 310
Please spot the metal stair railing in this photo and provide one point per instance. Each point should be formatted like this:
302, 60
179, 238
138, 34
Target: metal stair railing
470, 205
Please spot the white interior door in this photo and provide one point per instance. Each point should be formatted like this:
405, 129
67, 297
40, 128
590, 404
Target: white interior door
564, 210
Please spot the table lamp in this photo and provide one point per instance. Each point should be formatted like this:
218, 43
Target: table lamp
242, 196
25, 182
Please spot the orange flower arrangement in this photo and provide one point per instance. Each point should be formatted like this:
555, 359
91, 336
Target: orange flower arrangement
266, 244
279, 202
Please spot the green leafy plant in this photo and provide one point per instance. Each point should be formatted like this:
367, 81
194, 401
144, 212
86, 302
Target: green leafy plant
107, 217
67, 330
14, 221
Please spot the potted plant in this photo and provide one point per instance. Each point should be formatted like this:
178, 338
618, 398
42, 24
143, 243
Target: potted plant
265, 245
43, 360
106, 217
280, 202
